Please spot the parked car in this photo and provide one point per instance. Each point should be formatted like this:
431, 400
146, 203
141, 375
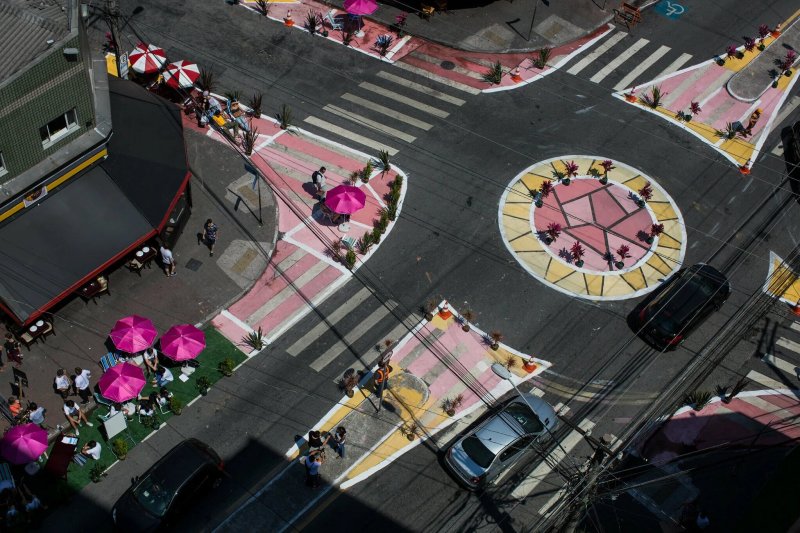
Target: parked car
496, 444
159, 496
679, 306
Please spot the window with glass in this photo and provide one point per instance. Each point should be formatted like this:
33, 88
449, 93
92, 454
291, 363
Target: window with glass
58, 127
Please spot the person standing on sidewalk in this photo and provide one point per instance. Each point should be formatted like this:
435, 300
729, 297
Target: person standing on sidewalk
12, 348
62, 383
318, 179
337, 441
313, 463
167, 260
210, 235
81, 384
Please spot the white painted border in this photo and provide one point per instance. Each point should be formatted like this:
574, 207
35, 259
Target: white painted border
562, 290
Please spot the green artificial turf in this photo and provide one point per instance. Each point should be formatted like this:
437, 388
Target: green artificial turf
54, 492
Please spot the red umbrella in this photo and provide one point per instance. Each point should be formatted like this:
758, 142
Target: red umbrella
147, 58
23, 444
122, 382
345, 199
181, 74
360, 7
133, 333
183, 342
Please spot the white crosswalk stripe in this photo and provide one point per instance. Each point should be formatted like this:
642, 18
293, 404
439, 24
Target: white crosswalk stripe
398, 110
640, 61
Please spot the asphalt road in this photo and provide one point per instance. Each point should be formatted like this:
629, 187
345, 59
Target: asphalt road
447, 244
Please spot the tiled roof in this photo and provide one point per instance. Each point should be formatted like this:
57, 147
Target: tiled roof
25, 27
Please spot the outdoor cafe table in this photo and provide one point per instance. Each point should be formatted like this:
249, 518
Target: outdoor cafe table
61, 456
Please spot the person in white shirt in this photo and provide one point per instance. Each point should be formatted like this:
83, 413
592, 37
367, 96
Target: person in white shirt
36, 414
62, 383
150, 357
168, 261
91, 449
75, 416
81, 384
163, 377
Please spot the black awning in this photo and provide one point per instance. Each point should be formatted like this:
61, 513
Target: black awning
55, 244
147, 159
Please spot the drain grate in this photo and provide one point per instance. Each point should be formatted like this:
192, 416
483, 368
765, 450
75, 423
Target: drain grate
193, 264
447, 65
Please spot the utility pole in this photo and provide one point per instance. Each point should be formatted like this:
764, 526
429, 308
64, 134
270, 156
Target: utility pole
112, 18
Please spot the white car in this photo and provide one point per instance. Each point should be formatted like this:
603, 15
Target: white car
481, 455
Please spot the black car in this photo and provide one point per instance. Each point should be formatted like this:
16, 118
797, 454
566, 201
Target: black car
156, 498
680, 305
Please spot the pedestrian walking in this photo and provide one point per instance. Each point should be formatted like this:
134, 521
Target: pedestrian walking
62, 383
337, 441
318, 179
210, 235
313, 463
81, 384
167, 260
12, 348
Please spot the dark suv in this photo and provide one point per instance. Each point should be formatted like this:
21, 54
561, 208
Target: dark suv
680, 305
168, 487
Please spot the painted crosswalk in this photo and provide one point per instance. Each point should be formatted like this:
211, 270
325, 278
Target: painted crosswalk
620, 60
388, 111
780, 365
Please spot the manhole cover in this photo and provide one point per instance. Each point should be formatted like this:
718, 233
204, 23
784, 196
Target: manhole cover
194, 264
448, 65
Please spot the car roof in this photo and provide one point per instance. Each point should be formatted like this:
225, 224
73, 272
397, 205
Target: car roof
499, 431
179, 464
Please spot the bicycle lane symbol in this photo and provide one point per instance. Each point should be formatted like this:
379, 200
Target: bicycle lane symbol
671, 10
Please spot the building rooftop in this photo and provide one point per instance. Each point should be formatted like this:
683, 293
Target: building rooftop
25, 28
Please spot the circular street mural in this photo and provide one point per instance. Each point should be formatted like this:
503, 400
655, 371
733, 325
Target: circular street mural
592, 228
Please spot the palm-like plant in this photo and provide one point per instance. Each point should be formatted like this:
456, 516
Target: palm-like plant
467, 317
571, 169
623, 252
254, 103
255, 340
249, 140
285, 117
495, 337
694, 108
654, 98
646, 192
544, 191
655, 231
543, 57
729, 132
495, 74
206, 81
383, 43
262, 6
763, 31
553, 231
313, 20
364, 243
577, 252
698, 399
383, 161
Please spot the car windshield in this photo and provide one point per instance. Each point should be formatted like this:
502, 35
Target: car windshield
476, 450
153, 496
525, 417
679, 306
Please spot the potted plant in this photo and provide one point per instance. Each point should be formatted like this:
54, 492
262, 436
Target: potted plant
255, 340
226, 367
383, 43
313, 19
410, 430
262, 6
698, 399
285, 117
623, 253
570, 171
175, 405
494, 75
749, 44
732, 52
738, 387
608, 166
645, 194
97, 472
383, 161
544, 191
120, 448
449, 405
552, 232
577, 252
364, 243
350, 259
763, 32
512, 361
255, 104
494, 339
250, 140
788, 61
542, 58
203, 384
467, 317
399, 24
429, 307
349, 381
653, 99
655, 231
366, 172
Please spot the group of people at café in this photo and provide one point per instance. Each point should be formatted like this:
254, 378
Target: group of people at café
231, 116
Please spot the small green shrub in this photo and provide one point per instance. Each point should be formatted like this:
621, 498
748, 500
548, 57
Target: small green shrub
203, 384
495, 74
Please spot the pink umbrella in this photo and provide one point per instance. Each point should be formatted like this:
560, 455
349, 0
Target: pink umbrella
133, 334
360, 7
23, 444
147, 58
182, 342
181, 74
122, 382
345, 199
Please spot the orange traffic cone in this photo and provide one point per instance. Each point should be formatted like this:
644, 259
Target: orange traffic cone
796, 308
745, 169
529, 366
777, 31
288, 19
515, 77
444, 311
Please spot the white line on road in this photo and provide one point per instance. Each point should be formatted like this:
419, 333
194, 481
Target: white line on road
764, 380
389, 112
392, 95
331, 320
364, 121
602, 49
538, 474
349, 135
674, 66
619, 60
435, 77
341, 345
421, 88
644, 65
787, 108
287, 292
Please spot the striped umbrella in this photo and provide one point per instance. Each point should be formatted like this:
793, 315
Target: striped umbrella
147, 58
181, 74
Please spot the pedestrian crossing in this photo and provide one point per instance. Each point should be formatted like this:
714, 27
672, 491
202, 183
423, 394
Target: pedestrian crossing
780, 365
620, 60
388, 111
